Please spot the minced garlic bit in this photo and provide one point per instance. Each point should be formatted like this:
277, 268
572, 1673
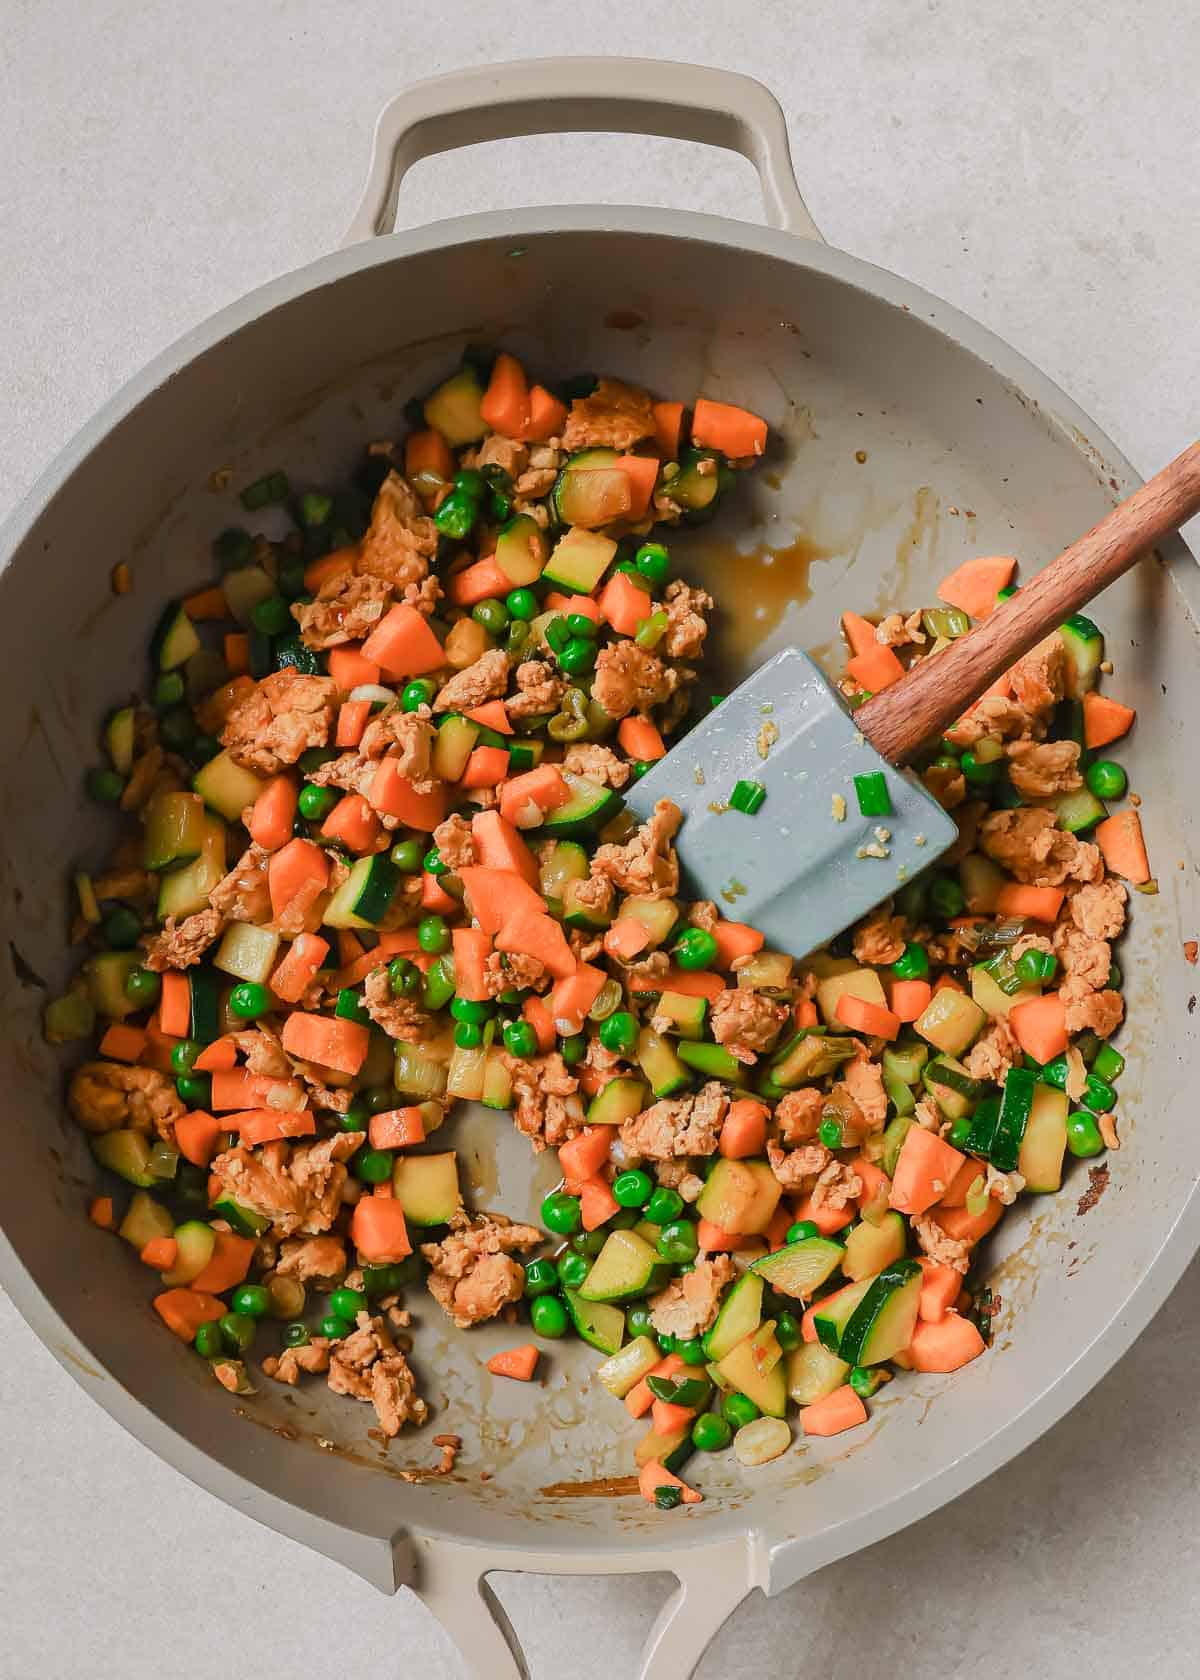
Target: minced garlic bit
767, 736
872, 850
733, 890
121, 579
1106, 665
698, 776
767, 707
883, 835
902, 872
860, 740
838, 806
920, 840
718, 807
220, 480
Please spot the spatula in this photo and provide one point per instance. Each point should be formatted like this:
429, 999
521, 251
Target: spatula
807, 864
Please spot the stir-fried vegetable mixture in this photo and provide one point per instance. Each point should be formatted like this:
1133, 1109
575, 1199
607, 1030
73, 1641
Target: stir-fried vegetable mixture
377, 862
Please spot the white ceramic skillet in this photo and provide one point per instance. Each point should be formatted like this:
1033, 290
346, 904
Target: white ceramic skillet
906, 438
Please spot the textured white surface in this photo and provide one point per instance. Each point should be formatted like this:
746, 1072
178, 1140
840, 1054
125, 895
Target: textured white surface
1036, 165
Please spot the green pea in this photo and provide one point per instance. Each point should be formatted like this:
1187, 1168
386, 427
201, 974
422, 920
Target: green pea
380, 1098
619, 1032
296, 1334
1106, 779
830, 1133
572, 1269
540, 1278
169, 690
589, 1242
373, 1166
801, 1231
432, 863
272, 616
237, 1331
638, 1320
738, 1410
632, 1189
406, 855
691, 1351
248, 1000
417, 693
863, 1381
522, 604
207, 1341
468, 1035
573, 1049
696, 948
195, 1089
120, 929
517, 638
492, 614
356, 1118
577, 657
251, 1300
653, 562
711, 1432
666, 1341
466, 1009
548, 1316
1083, 1135
912, 963
433, 936
315, 803
664, 1206
335, 1327
556, 633
981, 775
177, 728
959, 1132
439, 984
183, 1054
579, 624
677, 1242
405, 978
639, 767
142, 987
520, 1039
560, 1213
946, 897
347, 1303
787, 1331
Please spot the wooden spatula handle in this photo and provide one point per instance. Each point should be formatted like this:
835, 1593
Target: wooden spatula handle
937, 691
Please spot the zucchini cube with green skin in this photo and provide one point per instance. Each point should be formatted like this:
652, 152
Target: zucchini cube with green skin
755, 1368
590, 806
662, 1067
145, 1219
882, 1324
599, 1325
713, 1061
809, 1055
1044, 1141
419, 1075
365, 897
951, 1021
769, 972
579, 915
857, 982
619, 1101
992, 999
497, 1083
812, 1372
872, 1248
456, 739
175, 639
106, 974
657, 915
195, 1242
671, 1449
625, 1369
243, 1221
951, 1087
453, 409
835, 1312
465, 1074
590, 491
740, 1196
983, 1126
521, 550
184, 892
1016, 1104
894, 1135
226, 787
1079, 811
244, 589
565, 863
426, 1186
800, 1268
119, 739
686, 1014
1084, 645
247, 952
981, 881
204, 1005
739, 1317
623, 1269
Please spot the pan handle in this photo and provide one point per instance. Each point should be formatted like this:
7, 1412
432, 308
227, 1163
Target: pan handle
451, 1582
582, 96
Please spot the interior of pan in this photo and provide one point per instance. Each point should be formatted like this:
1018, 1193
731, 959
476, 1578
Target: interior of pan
896, 453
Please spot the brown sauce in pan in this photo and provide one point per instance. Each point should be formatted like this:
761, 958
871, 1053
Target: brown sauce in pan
605, 1487
773, 579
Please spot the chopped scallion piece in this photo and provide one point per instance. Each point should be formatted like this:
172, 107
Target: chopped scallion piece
747, 797
874, 799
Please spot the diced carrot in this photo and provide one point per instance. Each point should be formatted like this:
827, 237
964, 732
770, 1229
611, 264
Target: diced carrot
860, 1015
909, 998
626, 939
231, 1257
734, 431
159, 1046
267, 1125
396, 1128
666, 1417
472, 948
585, 606
531, 933
924, 1168
196, 1134
160, 1252
1039, 904
175, 1005
939, 1290
395, 795
296, 973
642, 473
691, 982
1040, 1026
573, 997
876, 669
427, 452
668, 429
547, 416
1105, 720
351, 721
217, 1057
493, 714
320, 571
808, 1327
735, 939
274, 813
122, 1043
379, 1230
638, 737
968, 1227
859, 632
354, 972
349, 669
653, 1476
946, 1344
744, 1130
102, 1213
955, 1195
540, 1019
484, 581
327, 1040
185, 1310
828, 1220
1120, 840
500, 846
947, 983
403, 645
713, 1240
353, 822
527, 799
843, 1409
236, 649
583, 1155
236, 1087
624, 603
596, 1203
207, 604
873, 1179
973, 586
221, 701
505, 404
780, 1224
805, 1013
639, 1399
519, 1363
486, 767
292, 869
434, 896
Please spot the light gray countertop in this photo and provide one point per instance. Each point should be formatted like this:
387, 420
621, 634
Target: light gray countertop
1037, 165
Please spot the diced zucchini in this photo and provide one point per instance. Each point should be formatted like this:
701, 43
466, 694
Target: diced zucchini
809, 1055
185, 891
206, 671
872, 1248
244, 589
106, 974
800, 1268
590, 490
1016, 1104
698, 485
144, 1220
1085, 649
769, 972
619, 1101
175, 640
662, 1067
464, 1077
905, 1061
950, 1021
497, 1083
247, 952
669, 1450
365, 897
712, 1060
835, 1312
983, 1126
992, 998
174, 830
126, 1153
951, 1087
456, 739
1079, 811
418, 1074
521, 551
623, 1268
226, 787
118, 739
590, 806
686, 1014
859, 983
884, 1321
893, 1141
1040, 1156
740, 1196
204, 1000
453, 409
739, 1316
981, 881
67, 1019
196, 1242
813, 1372
242, 1220
579, 560
565, 862
755, 1368
627, 1368
580, 915
599, 1325
657, 915
426, 1186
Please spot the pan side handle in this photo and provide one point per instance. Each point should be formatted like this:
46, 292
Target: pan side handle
451, 1582
582, 96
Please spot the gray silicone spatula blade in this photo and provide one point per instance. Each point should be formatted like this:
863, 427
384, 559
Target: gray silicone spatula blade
807, 864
